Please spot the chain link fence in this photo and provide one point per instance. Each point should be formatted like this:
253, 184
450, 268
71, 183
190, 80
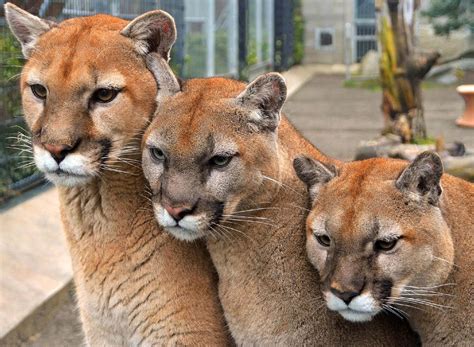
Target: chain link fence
235, 38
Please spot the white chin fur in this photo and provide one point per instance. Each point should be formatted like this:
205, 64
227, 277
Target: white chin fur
183, 234
355, 316
67, 180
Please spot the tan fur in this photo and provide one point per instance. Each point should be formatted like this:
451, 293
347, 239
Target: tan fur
433, 261
266, 286
135, 284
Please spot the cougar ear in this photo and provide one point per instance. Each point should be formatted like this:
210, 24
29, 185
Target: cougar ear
265, 97
421, 179
26, 27
167, 82
314, 173
153, 31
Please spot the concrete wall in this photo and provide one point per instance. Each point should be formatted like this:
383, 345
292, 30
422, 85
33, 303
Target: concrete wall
335, 13
326, 14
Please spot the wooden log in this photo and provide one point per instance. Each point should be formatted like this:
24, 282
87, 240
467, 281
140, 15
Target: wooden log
401, 70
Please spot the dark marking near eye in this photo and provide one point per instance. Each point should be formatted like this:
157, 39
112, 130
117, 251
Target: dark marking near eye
376, 227
94, 74
218, 211
106, 145
210, 144
383, 287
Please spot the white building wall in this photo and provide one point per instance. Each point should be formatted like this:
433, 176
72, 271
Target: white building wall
326, 14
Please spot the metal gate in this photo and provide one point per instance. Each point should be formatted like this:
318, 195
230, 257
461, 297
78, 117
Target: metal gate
365, 25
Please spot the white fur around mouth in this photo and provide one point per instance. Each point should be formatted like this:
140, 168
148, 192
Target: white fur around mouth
361, 309
187, 229
356, 316
67, 179
183, 234
72, 171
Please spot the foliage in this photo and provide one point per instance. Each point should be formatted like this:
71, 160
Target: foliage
15, 163
196, 54
449, 15
369, 84
11, 60
424, 141
11, 63
12, 161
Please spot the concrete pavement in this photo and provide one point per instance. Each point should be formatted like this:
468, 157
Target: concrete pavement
336, 119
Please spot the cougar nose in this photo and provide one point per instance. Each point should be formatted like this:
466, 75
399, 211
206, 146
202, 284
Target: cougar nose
178, 213
344, 296
58, 152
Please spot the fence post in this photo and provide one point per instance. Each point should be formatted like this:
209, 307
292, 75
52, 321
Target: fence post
270, 10
243, 19
233, 38
284, 34
210, 39
258, 30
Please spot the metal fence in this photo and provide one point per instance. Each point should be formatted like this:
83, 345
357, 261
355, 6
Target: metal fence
236, 38
365, 29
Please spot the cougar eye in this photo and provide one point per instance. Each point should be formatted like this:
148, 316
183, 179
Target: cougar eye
385, 245
323, 240
220, 160
157, 154
105, 95
39, 91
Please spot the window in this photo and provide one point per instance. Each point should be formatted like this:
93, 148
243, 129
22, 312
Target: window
325, 38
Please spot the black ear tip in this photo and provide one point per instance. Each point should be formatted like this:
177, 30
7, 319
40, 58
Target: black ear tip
429, 155
272, 77
302, 166
299, 162
433, 158
275, 77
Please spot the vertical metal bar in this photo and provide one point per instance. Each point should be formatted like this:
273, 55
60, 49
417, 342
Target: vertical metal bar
115, 8
269, 4
258, 29
176, 9
278, 35
289, 35
243, 18
347, 44
210, 42
233, 38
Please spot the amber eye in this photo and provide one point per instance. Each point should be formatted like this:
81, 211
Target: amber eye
323, 240
157, 154
220, 160
104, 95
39, 91
385, 245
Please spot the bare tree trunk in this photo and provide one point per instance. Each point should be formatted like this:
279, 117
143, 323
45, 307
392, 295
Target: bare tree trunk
402, 69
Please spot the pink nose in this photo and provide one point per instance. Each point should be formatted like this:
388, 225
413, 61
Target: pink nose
177, 213
58, 152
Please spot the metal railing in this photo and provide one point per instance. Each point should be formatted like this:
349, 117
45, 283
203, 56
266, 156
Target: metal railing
365, 29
